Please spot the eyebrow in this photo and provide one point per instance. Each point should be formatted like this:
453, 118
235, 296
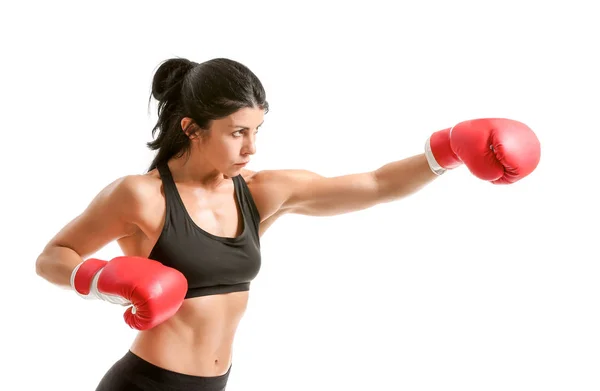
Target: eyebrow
245, 127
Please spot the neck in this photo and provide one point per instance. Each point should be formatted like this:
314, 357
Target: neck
199, 173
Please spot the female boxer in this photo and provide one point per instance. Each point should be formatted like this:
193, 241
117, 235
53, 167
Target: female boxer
190, 227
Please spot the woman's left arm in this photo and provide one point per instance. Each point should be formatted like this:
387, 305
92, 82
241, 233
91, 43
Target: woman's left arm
498, 150
314, 195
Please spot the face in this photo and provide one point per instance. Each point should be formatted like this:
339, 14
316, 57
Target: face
232, 140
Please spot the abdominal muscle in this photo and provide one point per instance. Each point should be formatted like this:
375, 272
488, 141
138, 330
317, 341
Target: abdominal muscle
198, 339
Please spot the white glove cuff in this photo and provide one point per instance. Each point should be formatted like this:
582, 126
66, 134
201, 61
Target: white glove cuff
72, 282
114, 299
433, 164
95, 294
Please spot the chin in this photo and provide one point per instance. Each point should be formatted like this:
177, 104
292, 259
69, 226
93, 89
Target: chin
235, 170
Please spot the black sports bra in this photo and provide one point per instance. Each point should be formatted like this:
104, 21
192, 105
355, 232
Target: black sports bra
211, 264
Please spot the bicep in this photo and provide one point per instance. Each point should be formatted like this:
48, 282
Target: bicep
108, 217
314, 195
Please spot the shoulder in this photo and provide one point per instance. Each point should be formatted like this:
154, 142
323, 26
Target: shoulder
134, 187
132, 193
272, 189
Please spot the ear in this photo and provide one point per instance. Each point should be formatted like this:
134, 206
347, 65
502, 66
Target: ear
189, 127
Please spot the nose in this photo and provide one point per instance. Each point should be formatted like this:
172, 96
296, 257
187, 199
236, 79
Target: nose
249, 146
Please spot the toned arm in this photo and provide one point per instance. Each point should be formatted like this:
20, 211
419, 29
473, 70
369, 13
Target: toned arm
111, 215
307, 193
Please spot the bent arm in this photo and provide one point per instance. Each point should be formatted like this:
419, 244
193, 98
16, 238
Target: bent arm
109, 216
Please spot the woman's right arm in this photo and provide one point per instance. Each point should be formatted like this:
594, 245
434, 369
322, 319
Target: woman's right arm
153, 292
111, 215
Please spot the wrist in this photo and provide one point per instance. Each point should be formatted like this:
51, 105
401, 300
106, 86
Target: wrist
84, 280
439, 153
84, 277
435, 167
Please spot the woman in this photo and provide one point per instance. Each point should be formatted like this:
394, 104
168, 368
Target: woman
190, 227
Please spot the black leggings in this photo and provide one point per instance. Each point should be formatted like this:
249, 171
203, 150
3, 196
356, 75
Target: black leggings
132, 373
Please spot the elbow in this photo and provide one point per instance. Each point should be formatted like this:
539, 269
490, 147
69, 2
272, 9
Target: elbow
56, 263
45, 262
40, 266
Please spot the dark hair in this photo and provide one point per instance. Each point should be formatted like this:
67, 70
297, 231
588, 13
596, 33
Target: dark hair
203, 92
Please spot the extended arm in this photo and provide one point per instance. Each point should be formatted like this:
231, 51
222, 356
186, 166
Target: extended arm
501, 151
315, 195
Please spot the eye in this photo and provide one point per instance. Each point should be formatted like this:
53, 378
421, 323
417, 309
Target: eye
239, 133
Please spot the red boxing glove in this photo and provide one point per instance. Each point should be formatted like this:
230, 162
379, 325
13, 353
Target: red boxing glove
498, 150
155, 291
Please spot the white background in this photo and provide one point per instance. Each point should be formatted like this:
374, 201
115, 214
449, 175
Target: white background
462, 286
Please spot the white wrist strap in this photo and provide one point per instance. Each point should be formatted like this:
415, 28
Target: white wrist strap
433, 164
95, 293
114, 299
72, 282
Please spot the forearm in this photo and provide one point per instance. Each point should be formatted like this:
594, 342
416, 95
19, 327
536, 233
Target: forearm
403, 177
55, 264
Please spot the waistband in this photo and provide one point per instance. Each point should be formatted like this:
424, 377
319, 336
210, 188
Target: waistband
137, 366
